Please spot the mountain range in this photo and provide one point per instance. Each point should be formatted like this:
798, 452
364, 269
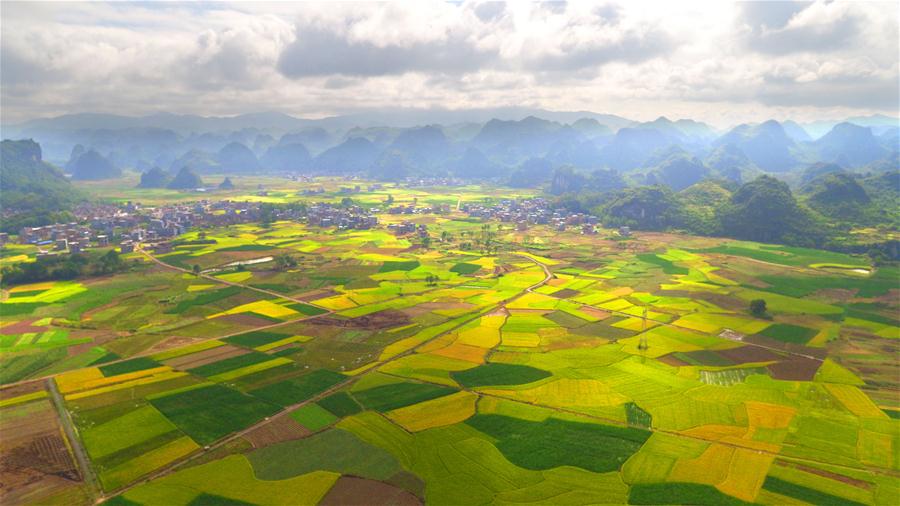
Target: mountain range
677, 153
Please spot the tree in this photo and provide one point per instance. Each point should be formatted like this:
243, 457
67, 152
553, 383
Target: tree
196, 270
426, 241
284, 262
758, 307
431, 279
109, 263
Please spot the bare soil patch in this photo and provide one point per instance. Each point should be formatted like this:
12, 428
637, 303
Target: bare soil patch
205, 357
388, 318
21, 327
352, 491
283, 428
565, 293
748, 354
34, 458
672, 360
245, 319
795, 369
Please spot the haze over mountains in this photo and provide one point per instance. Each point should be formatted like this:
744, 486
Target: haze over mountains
517, 145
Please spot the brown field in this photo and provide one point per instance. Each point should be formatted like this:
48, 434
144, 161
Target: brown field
22, 389
565, 293
795, 369
205, 357
35, 460
22, 327
245, 319
283, 428
376, 321
750, 354
352, 491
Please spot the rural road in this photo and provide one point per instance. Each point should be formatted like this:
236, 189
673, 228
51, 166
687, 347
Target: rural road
65, 420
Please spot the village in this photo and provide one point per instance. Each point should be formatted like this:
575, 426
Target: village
130, 223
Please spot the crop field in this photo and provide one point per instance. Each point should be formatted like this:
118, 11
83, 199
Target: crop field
550, 368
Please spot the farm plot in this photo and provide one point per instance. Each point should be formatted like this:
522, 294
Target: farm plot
211, 412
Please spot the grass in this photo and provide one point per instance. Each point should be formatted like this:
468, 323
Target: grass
554, 442
233, 478
313, 417
230, 363
807, 494
318, 452
788, 333
499, 374
667, 266
210, 413
204, 299
397, 395
680, 493
391, 266
306, 309
127, 366
299, 389
340, 404
465, 269
255, 338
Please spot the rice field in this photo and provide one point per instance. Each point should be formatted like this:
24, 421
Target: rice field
446, 375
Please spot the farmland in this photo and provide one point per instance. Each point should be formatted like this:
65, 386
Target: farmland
544, 367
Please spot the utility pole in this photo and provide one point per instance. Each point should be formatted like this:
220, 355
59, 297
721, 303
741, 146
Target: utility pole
642, 344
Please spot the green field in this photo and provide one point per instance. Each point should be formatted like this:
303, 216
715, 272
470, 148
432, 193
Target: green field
456, 373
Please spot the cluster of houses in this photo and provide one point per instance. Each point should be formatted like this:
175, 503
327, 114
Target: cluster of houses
343, 218
61, 237
412, 209
419, 182
130, 223
408, 227
535, 211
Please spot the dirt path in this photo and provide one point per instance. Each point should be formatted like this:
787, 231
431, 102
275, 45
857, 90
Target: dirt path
65, 420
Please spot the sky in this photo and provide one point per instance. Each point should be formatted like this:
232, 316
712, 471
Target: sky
719, 62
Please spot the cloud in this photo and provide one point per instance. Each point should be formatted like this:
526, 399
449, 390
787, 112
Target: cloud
643, 59
318, 52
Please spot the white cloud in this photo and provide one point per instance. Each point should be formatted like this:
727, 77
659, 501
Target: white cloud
709, 60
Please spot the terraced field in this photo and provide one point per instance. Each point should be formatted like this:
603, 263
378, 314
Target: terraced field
559, 369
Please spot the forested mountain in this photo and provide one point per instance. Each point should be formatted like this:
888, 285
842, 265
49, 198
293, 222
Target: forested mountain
92, 166
154, 178
186, 179
34, 192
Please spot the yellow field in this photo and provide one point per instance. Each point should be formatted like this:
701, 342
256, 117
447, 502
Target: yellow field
236, 277
769, 416
162, 375
335, 302
282, 342
198, 288
465, 352
746, 474
483, 336
435, 413
710, 468
855, 401
521, 339
263, 307
568, 393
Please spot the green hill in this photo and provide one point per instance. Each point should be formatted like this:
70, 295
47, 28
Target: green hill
30, 183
